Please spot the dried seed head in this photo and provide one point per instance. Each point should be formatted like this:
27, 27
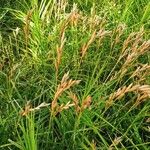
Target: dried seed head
132, 54
75, 101
86, 46
74, 98
145, 89
74, 16
63, 107
26, 109
86, 103
133, 47
143, 92
13, 70
64, 85
120, 29
60, 8
29, 109
115, 142
102, 33
59, 50
148, 120
139, 71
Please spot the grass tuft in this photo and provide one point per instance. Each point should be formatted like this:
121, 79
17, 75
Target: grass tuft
75, 74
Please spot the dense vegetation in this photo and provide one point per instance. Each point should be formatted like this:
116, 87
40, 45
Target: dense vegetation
74, 74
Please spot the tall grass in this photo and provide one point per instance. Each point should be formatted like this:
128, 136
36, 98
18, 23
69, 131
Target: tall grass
75, 75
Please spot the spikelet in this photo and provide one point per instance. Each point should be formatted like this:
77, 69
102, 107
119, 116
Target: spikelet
84, 105
60, 8
28, 108
75, 101
148, 120
136, 48
143, 92
74, 16
118, 32
141, 72
86, 45
115, 142
65, 84
63, 107
60, 50
13, 70
26, 28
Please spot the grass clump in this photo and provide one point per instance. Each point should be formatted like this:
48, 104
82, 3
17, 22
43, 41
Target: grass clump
75, 75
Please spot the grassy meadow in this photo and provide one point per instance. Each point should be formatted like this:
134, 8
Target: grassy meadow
74, 74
